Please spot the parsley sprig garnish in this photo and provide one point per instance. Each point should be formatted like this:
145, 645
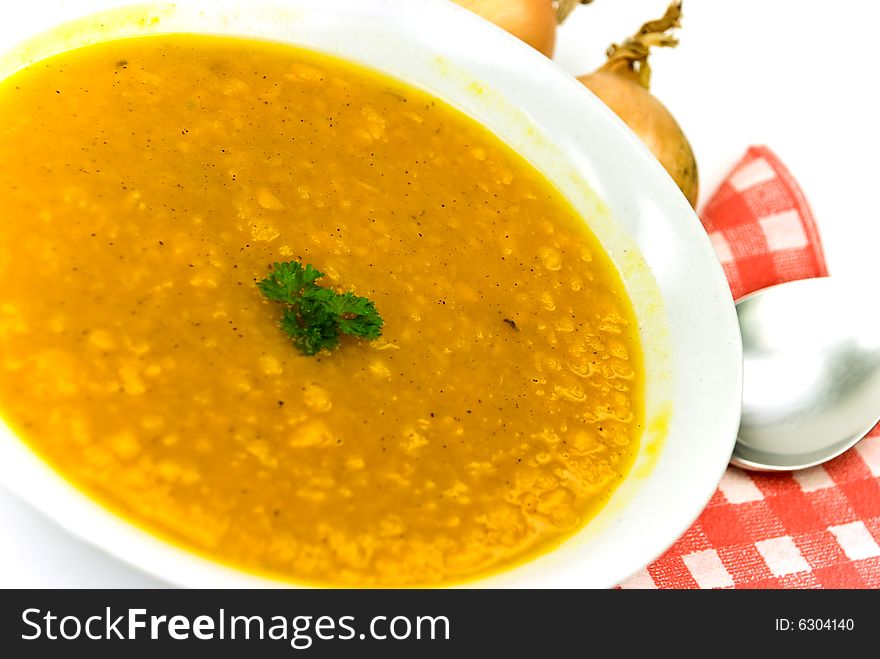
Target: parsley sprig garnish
315, 316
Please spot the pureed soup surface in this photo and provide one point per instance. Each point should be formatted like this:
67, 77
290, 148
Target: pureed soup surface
149, 183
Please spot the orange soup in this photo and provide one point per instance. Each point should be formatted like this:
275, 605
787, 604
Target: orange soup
150, 183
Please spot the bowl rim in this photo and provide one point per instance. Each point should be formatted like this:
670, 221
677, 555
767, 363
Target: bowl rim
474, 52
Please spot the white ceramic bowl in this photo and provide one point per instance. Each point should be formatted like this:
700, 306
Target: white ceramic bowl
686, 315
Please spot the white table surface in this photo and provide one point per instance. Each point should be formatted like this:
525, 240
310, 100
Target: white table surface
786, 73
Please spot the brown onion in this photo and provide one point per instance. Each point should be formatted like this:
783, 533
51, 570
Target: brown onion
623, 83
533, 21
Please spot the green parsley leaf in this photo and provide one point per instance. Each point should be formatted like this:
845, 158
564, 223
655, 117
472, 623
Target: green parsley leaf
315, 316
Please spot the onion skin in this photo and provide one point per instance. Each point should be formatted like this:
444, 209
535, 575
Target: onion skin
532, 21
652, 122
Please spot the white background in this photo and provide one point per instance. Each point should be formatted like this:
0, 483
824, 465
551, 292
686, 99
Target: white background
795, 75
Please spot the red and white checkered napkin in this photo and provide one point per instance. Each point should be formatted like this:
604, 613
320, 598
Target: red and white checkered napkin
817, 528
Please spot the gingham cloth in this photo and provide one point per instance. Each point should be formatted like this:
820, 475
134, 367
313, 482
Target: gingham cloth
817, 528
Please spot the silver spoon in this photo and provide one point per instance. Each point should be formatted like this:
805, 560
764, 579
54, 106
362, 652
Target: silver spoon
811, 373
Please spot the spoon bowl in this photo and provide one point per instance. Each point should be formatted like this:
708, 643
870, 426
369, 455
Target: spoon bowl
811, 374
